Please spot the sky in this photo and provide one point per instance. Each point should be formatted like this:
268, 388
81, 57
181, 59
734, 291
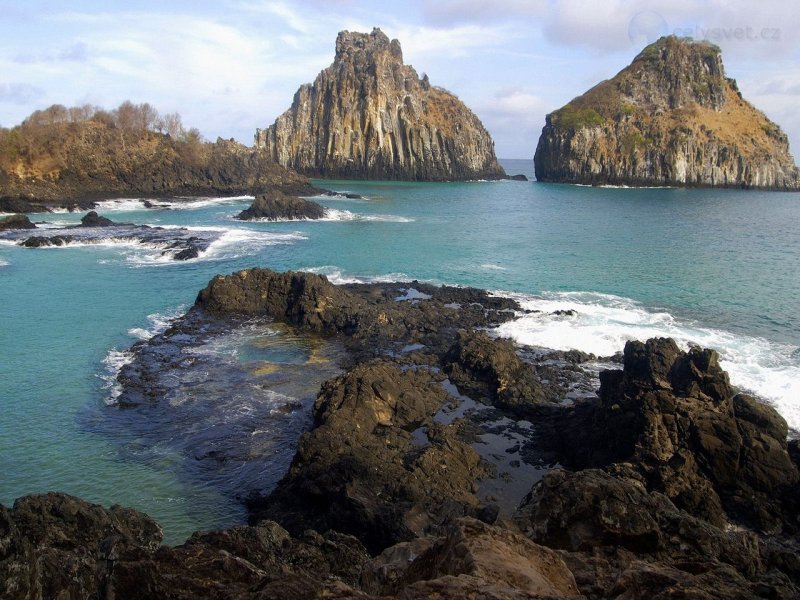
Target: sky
230, 66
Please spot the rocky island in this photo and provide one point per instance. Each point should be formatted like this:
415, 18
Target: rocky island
369, 116
70, 157
277, 206
671, 483
671, 118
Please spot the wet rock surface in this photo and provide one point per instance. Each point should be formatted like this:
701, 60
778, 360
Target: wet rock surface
173, 244
277, 206
673, 484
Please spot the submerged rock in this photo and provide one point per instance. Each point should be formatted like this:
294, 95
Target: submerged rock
174, 244
370, 116
671, 118
276, 206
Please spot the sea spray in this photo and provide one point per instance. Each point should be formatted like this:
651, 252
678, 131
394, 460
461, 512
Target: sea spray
602, 323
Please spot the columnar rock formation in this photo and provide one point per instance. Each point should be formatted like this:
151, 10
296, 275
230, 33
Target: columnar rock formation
370, 116
670, 118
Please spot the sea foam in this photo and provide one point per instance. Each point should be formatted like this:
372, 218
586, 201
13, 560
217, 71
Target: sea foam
115, 360
603, 323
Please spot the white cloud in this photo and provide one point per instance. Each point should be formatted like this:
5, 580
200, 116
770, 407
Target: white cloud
515, 117
19, 93
420, 42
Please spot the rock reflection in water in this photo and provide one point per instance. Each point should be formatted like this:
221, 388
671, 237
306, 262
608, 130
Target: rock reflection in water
221, 407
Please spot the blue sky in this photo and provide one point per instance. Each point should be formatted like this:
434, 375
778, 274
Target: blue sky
233, 65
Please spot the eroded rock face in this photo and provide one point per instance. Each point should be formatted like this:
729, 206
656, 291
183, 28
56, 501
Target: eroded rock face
370, 116
277, 206
670, 118
674, 414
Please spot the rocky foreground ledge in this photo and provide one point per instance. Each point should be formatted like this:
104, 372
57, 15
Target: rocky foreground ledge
672, 485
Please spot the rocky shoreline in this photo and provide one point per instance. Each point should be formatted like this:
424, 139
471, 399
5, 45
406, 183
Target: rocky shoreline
443, 462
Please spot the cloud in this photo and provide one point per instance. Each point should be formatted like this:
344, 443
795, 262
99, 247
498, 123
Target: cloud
421, 41
446, 12
19, 93
515, 117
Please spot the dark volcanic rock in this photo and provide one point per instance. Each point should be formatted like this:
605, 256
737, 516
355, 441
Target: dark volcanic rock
623, 541
472, 560
488, 367
519, 177
57, 546
39, 241
359, 470
370, 116
275, 205
675, 416
16, 222
388, 469
312, 303
92, 219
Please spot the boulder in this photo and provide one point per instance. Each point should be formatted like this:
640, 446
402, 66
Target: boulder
92, 219
619, 540
277, 206
39, 241
17, 221
490, 368
491, 556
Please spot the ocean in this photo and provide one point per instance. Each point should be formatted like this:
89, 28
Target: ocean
718, 268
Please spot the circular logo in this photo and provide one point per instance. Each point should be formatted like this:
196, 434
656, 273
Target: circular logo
646, 27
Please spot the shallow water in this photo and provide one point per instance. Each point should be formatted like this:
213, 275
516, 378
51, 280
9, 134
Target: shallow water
718, 268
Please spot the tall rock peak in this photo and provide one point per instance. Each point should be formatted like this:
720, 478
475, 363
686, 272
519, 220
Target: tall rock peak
671, 117
368, 115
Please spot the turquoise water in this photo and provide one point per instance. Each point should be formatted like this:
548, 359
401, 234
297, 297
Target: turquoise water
719, 268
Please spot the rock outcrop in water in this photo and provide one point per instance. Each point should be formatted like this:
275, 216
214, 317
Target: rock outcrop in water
671, 118
678, 487
16, 222
277, 206
370, 116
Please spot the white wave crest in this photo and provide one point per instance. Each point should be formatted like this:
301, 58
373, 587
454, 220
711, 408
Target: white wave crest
603, 323
137, 204
335, 214
114, 362
4, 262
339, 277
159, 322
231, 244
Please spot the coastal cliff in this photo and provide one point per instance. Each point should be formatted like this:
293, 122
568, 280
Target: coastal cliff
670, 118
59, 158
370, 116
